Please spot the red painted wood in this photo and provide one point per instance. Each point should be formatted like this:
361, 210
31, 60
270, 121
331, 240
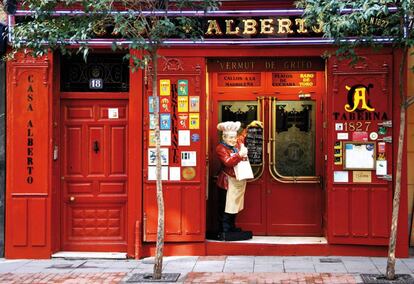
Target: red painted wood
379, 203
19, 229
340, 218
185, 199
28, 164
359, 213
95, 177
134, 186
38, 221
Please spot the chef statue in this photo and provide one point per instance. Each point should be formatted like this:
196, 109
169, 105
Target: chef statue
230, 152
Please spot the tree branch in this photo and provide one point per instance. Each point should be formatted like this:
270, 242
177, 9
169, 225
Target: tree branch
409, 101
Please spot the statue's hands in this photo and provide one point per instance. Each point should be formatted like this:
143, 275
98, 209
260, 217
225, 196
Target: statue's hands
243, 151
255, 123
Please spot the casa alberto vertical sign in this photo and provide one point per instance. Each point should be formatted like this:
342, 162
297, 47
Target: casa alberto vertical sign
30, 127
30, 95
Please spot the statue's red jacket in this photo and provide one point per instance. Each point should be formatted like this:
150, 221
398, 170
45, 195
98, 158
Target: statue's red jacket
228, 160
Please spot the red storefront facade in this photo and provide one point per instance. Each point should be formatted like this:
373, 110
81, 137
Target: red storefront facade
79, 158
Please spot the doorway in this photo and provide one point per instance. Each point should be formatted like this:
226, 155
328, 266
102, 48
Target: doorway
94, 175
285, 198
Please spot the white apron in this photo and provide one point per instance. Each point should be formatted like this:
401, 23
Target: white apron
235, 195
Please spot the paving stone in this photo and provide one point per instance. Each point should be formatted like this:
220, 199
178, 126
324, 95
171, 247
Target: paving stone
28, 269
143, 269
330, 267
176, 259
381, 264
103, 264
176, 268
268, 259
212, 258
239, 264
409, 262
298, 258
209, 266
360, 266
219, 269
12, 265
298, 266
197, 277
269, 267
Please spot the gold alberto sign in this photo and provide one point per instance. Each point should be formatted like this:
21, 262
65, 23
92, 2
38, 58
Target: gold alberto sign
260, 26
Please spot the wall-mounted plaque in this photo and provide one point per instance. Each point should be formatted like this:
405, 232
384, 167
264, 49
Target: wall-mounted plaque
294, 79
239, 79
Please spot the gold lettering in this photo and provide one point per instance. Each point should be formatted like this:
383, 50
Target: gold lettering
301, 26
270, 65
266, 26
229, 30
359, 97
250, 27
319, 28
213, 26
284, 26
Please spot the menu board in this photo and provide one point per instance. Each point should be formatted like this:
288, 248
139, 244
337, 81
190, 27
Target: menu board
254, 143
359, 155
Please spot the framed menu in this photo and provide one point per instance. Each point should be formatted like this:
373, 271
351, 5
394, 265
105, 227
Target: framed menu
359, 155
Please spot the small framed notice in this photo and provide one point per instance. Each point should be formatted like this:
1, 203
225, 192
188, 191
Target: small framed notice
359, 155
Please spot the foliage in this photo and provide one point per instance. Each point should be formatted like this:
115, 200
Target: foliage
354, 23
120, 20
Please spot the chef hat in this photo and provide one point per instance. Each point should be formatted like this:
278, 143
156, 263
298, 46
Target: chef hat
229, 127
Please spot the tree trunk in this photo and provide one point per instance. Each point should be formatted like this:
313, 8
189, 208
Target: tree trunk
160, 199
390, 273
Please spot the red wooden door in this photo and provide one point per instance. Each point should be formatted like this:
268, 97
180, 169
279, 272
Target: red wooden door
286, 196
94, 175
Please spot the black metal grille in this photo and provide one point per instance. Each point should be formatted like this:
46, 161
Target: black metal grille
147, 277
110, 69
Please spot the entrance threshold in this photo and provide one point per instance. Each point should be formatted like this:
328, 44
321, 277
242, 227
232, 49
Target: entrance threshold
277, 240
89, 255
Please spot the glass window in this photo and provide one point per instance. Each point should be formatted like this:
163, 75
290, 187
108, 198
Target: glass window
294, 135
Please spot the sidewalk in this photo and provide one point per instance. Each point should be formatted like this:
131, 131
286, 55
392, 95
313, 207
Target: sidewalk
203, 269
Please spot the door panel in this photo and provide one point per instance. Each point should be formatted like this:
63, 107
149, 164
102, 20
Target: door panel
94, 178
95, 154
294, 209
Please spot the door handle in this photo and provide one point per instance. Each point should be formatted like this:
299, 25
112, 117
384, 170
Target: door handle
72, 199
96, 147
